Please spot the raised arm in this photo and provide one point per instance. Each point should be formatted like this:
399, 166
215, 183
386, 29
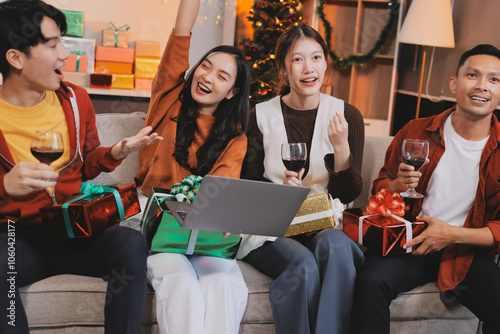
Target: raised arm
186, 17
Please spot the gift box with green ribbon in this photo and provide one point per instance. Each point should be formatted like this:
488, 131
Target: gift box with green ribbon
81, 45
92, 211
115, 36
77, 62
75, 20
164, 234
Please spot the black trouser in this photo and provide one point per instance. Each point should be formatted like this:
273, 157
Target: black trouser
119, 254
381, 279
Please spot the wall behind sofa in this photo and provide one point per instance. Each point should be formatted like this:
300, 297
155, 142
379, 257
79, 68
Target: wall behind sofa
153, 20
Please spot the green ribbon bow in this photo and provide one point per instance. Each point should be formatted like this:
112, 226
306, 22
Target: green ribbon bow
89, 189
113, 27
188, 186
78, 55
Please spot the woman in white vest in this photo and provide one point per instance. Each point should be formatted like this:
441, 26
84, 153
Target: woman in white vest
313, 273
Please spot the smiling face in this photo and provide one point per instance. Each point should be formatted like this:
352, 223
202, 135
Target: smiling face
477, 86
305, 68
41, 69
213, 81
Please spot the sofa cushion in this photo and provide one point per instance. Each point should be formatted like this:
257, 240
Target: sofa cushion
112, 128
373, 160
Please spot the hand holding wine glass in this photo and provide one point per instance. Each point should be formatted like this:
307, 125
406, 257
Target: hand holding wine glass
294, 157
415, 153
47, 147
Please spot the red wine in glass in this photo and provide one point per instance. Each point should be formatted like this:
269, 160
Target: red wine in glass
294, 164
46, 155
47, 147
415, 154
294, 156
415, 162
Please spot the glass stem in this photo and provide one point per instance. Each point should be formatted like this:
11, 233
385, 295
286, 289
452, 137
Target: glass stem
53, 196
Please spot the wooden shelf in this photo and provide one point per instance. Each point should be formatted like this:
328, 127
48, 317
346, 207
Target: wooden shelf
119, 92
356, 1
371, 88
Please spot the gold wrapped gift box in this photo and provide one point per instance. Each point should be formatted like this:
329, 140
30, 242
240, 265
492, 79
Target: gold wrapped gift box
316, 213
146, 67
123, 81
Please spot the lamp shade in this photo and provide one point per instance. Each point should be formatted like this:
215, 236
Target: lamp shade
428, 22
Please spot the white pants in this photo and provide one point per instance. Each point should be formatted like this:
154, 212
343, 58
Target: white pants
197, 294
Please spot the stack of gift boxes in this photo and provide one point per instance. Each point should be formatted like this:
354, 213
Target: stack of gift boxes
147, 59
112, 64
80, 63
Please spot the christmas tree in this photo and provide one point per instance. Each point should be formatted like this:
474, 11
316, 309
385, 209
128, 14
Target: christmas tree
270, 18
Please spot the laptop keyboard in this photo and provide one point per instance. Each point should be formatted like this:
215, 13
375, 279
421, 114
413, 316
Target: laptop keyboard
182, 214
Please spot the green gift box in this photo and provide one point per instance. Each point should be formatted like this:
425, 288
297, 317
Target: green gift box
164, 234
74, 20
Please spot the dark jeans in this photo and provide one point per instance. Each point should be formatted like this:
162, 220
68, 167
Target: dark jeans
118, 254
381, 279
313, 281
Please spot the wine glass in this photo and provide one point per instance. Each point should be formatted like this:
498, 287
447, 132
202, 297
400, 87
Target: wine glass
294, 156
415, 153
47, 147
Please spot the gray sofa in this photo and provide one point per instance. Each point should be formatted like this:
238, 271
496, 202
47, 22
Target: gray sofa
74, 304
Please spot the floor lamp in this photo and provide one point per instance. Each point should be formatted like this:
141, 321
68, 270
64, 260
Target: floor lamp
427, 23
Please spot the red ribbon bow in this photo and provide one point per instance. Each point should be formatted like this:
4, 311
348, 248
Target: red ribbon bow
386, 203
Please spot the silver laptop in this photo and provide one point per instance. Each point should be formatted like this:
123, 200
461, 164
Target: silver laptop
240, 206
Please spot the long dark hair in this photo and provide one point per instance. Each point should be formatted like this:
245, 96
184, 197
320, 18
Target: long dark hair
231, 117
286, 43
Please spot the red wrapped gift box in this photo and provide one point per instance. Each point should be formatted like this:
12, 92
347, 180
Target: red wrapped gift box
92, 214
384, 235
101, 80
381, 227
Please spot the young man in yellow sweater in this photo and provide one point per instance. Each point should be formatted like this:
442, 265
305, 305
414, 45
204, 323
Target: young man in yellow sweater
34, 97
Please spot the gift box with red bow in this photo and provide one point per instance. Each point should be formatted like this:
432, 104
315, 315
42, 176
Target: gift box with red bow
381, 227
